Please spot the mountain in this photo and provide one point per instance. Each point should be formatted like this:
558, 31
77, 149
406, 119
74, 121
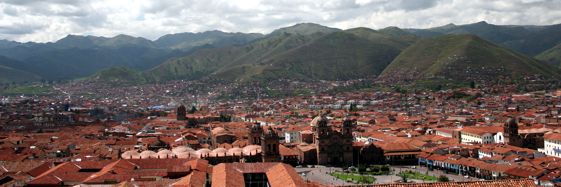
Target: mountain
462, 58
77, 56
9, 74
119, 75
304, 29
73, 63
187, 41
302, 51
551, 56
529, 40
76, 41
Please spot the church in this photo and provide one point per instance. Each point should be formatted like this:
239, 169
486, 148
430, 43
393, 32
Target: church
527, 138
333, 147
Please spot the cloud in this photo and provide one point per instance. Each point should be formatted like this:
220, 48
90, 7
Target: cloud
50, 20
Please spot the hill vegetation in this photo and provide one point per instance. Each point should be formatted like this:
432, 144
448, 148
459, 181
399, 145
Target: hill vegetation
302, 51
462, 58
551, 56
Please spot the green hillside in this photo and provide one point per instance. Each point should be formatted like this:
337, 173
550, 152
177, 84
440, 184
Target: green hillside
206, 62
119, 75
551, 56
188, 41
337, 56
526, 39
9, 75
9, 72
461, 58
303, 51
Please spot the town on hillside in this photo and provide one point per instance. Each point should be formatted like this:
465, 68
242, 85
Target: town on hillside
160, 136
280, 93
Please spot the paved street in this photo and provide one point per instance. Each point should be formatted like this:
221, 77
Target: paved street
423, 170
321, 175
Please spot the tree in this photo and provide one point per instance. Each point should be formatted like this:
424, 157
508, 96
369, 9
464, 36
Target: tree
472, 84
353, 108
403, 177
192, 122
443, 178
225, 118
193, 110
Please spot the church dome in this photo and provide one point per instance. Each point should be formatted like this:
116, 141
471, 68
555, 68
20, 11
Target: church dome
218, 152
131, 154
235, 151
317, 120
164, 153
181, 149
251, 149
218, 130
187, 155
148, 154
203, 152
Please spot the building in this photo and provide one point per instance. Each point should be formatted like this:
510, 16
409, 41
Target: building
511, 136
552, 145
528, 138
292, 136
333, 147
271, 174
481, 135
117, 171
220, 135
269, 142
270, 146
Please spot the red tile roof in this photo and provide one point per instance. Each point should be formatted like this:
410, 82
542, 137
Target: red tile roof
278, 174
194, 179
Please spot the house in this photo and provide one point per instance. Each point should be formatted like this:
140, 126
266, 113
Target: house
481, 135
552, 144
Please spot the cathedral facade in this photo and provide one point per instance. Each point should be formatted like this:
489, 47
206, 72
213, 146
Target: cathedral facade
333, 147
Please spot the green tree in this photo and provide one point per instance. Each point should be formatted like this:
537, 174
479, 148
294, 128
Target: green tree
443, 178
193, 110
353, 108
403, 177
225, 118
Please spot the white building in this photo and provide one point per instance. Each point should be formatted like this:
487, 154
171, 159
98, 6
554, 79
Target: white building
482, 135
444, 132
292, 137
552, 145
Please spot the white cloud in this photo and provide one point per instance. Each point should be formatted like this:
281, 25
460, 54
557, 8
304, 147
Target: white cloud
49, 20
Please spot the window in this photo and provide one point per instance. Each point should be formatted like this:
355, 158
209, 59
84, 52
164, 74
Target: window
256, 179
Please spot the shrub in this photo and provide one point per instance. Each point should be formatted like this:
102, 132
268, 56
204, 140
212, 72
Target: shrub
443, 178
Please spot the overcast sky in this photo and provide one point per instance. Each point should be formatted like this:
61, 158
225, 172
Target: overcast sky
50, 20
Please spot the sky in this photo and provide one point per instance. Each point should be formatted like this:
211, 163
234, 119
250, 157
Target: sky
50, 20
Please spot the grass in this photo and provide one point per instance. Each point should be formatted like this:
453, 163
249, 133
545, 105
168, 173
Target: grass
28, 90
417, 175
363, 179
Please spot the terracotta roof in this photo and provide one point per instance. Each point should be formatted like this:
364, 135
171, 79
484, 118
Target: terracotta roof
278, 174
553, 136
194, 179
283, 175
482, 130
226, 175
285, 151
